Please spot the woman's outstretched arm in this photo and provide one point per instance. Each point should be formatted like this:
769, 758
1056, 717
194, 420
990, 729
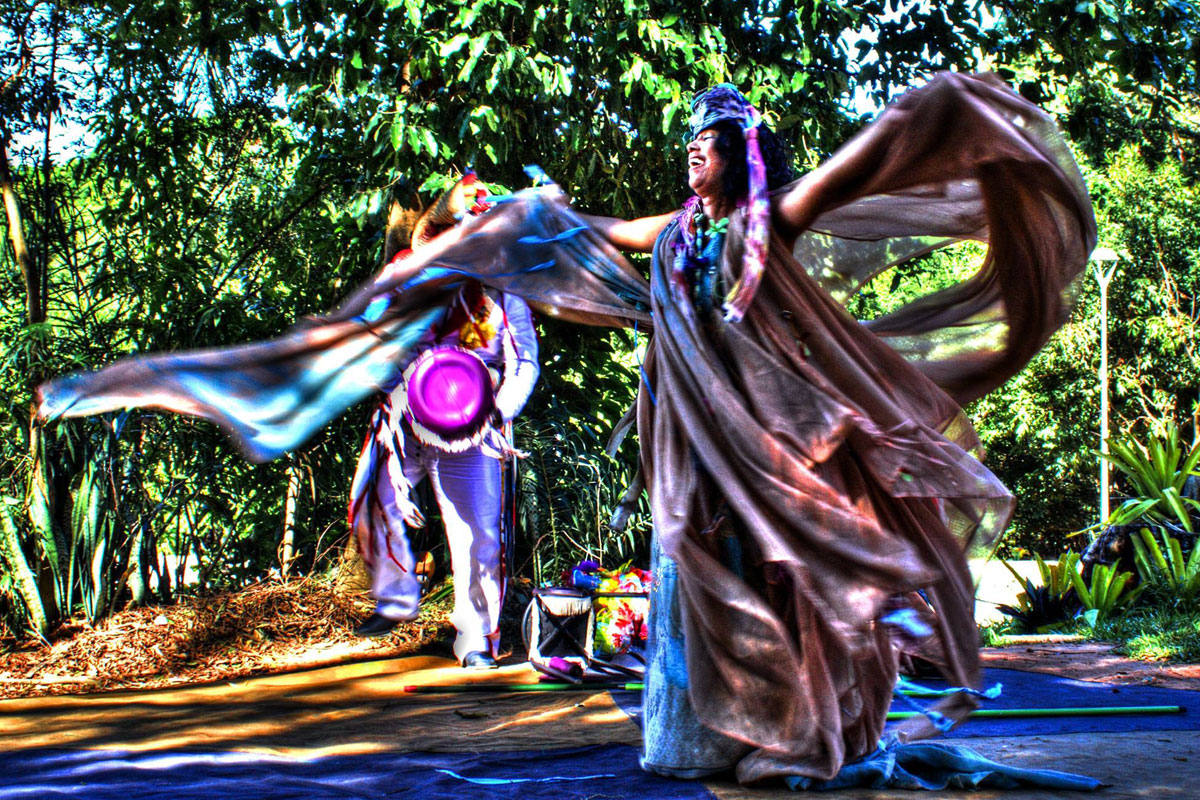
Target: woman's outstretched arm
632, 235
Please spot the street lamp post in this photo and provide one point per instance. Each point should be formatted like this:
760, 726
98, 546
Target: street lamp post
1102, 256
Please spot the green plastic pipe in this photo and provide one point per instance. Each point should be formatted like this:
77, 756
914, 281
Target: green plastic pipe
521, 687
893, 716
1100, 711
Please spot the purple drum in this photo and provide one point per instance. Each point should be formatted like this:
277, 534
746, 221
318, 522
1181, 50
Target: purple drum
449, 395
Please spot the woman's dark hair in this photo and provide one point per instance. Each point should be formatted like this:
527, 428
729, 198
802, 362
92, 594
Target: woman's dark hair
731, 144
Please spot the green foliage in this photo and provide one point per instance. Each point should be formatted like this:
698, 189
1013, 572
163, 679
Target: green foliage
596, 93
995, 634
1156, 472
1038, 609
1154, 634
1153, 343
234, 162
1041, 429
1052, 601
1057, 576
915, 279
187, 224
568, 485
1117, 72
1060, 576
1105, 592
1164, 569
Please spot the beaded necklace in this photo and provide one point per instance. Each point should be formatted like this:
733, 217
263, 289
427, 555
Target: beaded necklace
698, 255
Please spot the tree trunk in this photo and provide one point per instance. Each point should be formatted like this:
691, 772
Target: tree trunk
39, 508
140, 570
163, 574
141, 552
35, 306
287, 542
13, 559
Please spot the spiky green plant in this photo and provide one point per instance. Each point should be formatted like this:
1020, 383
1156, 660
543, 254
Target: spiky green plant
1156, 471
1105, 592
1038, 608
1052, 601
1163, 566
1056, 576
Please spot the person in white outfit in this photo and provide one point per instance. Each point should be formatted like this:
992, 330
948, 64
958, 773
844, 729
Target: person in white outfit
466, 476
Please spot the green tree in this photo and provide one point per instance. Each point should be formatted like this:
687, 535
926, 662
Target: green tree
166, 234
232, 163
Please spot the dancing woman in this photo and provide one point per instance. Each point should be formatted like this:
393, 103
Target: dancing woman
797, 471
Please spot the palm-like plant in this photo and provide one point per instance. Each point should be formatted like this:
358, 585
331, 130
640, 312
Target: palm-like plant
1057, 576
1164, 567
1038, 607
1105, 592
1157, 471
1053, 600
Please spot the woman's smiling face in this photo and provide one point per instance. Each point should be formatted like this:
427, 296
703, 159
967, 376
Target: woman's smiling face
705, 164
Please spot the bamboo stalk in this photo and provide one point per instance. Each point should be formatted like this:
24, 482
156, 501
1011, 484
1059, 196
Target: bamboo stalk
13, 558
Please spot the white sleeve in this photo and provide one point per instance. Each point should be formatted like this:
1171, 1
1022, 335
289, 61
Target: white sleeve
519, 381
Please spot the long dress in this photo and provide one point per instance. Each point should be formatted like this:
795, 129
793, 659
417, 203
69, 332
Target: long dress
828, 458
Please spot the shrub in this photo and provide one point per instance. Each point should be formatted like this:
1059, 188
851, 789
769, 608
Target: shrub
1053, 601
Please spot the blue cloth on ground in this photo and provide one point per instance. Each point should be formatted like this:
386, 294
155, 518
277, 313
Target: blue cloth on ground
608, 772
1040, 690
939, 765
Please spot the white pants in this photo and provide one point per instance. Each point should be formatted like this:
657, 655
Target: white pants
467, 487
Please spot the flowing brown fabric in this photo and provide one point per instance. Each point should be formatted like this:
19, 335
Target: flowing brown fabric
847, 470
270, 397
834, 451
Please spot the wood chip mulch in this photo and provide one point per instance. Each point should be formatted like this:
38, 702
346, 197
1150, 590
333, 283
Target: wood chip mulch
1092, 661
267, 627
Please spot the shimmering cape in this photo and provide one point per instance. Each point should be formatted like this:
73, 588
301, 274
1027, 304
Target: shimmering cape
834, 451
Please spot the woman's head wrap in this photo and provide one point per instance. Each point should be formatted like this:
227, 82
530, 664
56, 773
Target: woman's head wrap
725, 103
721, 103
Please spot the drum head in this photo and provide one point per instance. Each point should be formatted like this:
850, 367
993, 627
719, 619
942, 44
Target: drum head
449, 393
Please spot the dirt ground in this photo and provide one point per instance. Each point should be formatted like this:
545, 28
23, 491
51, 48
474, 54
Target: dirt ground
301, 624
299, 631
1092, 661
263, 629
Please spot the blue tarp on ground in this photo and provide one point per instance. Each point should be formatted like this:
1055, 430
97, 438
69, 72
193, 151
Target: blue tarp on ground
599, 773
607, 771
1039, 690
943, 765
